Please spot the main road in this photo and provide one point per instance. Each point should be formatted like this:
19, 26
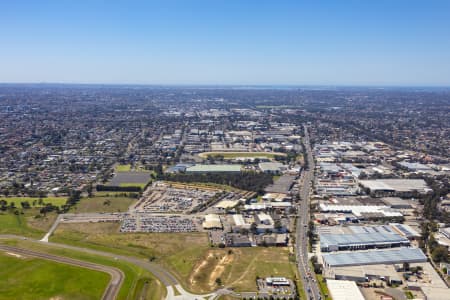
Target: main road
301, 242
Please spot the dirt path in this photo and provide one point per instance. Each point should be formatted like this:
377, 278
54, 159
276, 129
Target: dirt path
197, 270
245, 272
219, 268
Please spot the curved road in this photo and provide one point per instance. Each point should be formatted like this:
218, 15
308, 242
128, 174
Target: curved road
114, 284
166, 278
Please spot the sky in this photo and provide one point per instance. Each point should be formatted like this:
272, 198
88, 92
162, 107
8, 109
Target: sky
236, 42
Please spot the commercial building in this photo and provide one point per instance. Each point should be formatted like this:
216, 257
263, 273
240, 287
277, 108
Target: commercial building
277, 281
395, 187
405, 230
237, 240
212, 221
271, 167
397, 203
359, 241
224, 168
387, 273
373, 257
344, 290
362, 211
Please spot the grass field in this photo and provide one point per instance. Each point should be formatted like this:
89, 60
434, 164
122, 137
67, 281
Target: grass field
11, 223
57, 201
323, 287
240, 268
103, 204
232, 155
127, 168
187, 255
125, 184
133, 273
32, 278
122, 168
177, 251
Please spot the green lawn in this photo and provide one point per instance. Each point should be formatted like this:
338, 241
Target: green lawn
126, 184
323, 287
123, 168
132, 272
127, 168
57, 201
232, 155
11, 223
32, 278
103, 204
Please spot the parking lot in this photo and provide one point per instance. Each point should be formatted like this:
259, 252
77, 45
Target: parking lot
162, 197
143, 222
121, 178
287, 291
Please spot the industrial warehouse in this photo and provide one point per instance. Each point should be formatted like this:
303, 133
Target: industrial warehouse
360, 241
374, 257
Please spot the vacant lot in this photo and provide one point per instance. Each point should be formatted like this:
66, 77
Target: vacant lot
32, 278
187, 255
239, 267
103, 204
130, 178
35, 201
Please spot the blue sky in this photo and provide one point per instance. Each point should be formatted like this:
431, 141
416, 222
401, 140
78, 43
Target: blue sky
342, 42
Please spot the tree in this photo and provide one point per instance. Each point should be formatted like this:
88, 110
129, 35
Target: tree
218, 281
89, 190
25, 204
406, 266
440, 254
278, 225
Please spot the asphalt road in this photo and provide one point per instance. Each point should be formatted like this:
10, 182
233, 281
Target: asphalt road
307, 275
114, 284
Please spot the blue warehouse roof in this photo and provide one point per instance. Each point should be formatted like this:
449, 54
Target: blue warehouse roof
374, 257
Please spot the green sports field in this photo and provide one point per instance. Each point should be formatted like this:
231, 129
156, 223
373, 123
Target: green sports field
123, 168
32, 278
233, 155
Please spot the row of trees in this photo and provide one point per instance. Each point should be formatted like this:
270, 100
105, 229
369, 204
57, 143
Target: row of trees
74, 197
438, 253
250, 181
110, 188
